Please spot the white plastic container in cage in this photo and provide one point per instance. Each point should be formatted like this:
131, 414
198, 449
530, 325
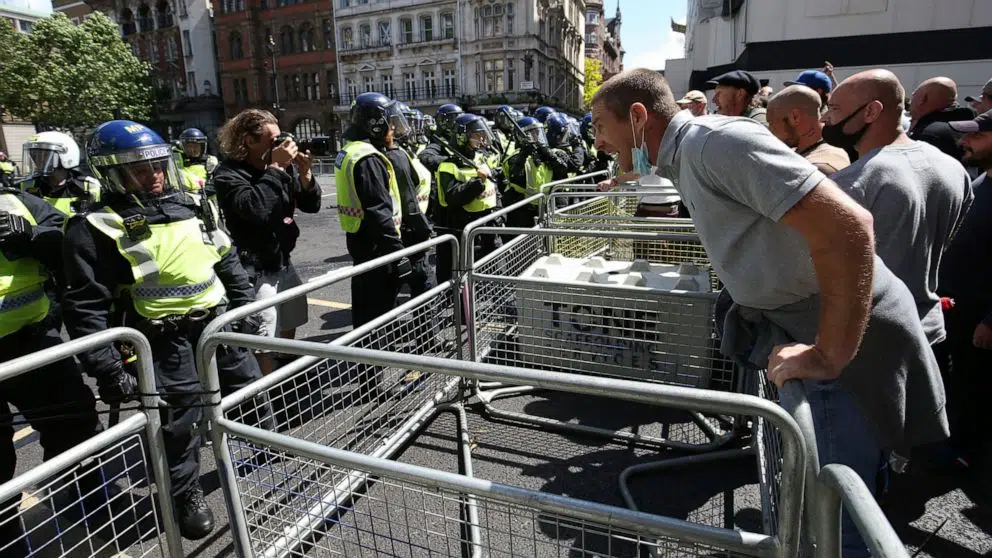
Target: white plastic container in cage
635, 331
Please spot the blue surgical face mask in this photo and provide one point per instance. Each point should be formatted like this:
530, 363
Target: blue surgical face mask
639, 155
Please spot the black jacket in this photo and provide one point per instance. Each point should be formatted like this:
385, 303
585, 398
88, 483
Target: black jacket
259, 208
46, 235
935, 130
416, 228
966, 266
377, 235
94, 268
433, 155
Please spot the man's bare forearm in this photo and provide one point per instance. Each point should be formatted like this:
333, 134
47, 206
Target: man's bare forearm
842, 245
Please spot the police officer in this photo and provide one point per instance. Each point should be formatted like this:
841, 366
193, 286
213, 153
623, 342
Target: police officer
52, 172
563, 137
195, 157
505, 131
543, 113
30, 251
436, 153
7, 171
370, 209
466, 189
529, 169
152, 258
414, 182
595, 160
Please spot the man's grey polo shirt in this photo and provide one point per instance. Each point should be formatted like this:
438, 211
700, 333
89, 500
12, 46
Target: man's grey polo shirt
738, 180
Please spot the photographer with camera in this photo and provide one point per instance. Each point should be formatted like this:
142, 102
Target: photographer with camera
261, 183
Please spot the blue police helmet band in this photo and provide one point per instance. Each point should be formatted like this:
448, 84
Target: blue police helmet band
132, 156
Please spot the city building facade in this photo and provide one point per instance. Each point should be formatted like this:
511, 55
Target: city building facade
22, 15
602, 38
280, 55
76, 10
176, 38
478, 53
776, 39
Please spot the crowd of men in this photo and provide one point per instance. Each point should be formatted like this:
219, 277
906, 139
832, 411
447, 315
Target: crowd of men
852, 245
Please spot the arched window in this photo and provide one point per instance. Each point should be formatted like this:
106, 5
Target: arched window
235, 46
287, 40
145, 22
307, 38
128, 26
306, 129
163, 13
347, 39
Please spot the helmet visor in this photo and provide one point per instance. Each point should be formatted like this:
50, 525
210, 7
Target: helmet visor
40, 159
479, 135
194, 149
149, 173
537, 135
397, 121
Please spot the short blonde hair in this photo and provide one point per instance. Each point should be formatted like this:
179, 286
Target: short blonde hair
248, 122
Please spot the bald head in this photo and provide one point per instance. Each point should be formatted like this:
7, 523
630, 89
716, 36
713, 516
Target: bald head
865, 111
794, 97
933, 95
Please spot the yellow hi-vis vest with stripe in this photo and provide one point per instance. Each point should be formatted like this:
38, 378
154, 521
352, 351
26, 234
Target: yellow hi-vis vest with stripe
173, 266
22, 281
64, 205
350, 212
485, 201
204, 169
536, 174
423, 182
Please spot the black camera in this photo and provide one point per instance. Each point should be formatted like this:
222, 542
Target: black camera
282, 138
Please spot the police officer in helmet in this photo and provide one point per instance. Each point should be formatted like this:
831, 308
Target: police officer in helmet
152, 258
466, 188
7, 170
435, 153
195, 157
529, 169
370, 208
52, 172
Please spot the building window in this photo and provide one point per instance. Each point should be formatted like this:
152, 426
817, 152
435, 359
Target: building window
240, 91
511, 75
235, 46
145, 22
182, 8
365, 35
387, 84
191, 84
128, 26
591, 40
592, 17
369, 84
477, 23
152, 51
171, 49
410, 86
494, 76
448, 25
509, 18
164, 14
306, 129
346, 38
329, 79
426, 28
450, 83
308, 86
385, 33
540, 28
297, 87
307, 38
207, 89
287, 40
352, 88
328, 36
187, 44
492, 21
406, 30
287, 88
430, 84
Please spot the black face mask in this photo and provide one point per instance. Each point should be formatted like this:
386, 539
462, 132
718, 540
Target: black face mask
834, 133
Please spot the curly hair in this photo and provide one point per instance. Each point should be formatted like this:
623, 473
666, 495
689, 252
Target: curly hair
248, 122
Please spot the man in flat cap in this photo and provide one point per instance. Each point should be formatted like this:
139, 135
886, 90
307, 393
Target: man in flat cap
736, 95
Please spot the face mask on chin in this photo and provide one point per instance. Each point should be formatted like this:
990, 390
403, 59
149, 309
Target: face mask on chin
639, 155
834, 133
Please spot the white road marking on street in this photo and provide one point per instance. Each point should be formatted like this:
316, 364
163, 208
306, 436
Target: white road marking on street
329, 195
328, 303
23, 433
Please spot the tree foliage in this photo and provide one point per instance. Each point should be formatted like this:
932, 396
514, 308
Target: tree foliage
71, 77
594, 78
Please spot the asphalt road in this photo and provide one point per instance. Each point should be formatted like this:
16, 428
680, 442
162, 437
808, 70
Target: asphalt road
948, 516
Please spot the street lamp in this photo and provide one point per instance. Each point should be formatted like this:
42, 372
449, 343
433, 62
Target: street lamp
275, 83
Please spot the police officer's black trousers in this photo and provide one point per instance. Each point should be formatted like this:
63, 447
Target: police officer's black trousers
421, 278
485, 244
55, 402
177, 381
373, 293
969, 382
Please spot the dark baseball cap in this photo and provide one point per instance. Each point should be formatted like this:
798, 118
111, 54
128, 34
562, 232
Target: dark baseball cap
987, 90
739, 79
981, 123
814, 80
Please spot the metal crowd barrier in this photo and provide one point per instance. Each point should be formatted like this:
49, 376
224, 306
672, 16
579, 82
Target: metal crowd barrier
839, 484
346, 405
99, 497
359, 504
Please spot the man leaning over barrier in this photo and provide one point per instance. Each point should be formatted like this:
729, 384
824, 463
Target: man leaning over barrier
812, 301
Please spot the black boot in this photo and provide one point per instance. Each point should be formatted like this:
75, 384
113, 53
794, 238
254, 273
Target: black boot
195, 518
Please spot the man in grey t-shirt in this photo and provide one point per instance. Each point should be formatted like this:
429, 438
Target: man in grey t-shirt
812, 301
916, 193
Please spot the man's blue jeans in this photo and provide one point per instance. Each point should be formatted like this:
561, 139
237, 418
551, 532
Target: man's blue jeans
843, 435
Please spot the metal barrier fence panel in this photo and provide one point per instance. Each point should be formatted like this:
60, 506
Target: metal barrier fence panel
339, 404
839, 487
106, 496
361, 505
